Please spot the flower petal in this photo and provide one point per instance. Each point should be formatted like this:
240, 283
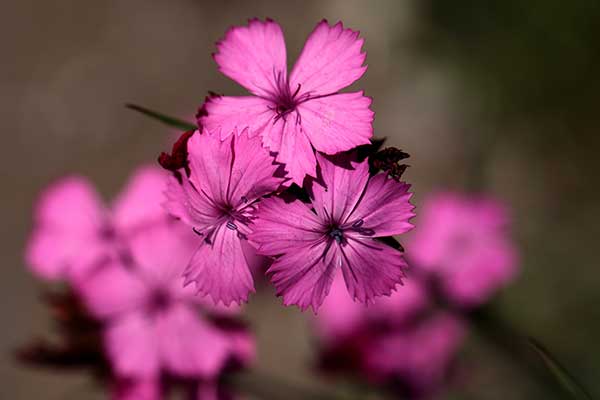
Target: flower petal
112, 290
226, 115
330, 60
371, 268
231, 172
161, 253
210, 163
475, 277
344, 187
338, 122
295, 150
53, 253
385, 207
193, 208
132, 346
254, 56
72, 204
282, 227
140, 202
189, 346
68, 220
304, 277
220, 270
339, 316
252, 172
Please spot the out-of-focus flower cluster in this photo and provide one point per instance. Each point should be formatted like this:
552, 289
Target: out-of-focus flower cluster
461, 255
122, 268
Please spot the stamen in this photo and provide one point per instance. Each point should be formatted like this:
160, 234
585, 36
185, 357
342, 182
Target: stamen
366, 231
297, 91
240, 235
337, 234
358, 223
357, 226
231, 225
197, 232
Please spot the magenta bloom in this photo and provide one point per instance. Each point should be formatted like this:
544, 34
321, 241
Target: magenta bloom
152, 323
420, 355
397, 338
340, 318
292, 114
144, 389
73, 229
463, 241
339, 233
218, 201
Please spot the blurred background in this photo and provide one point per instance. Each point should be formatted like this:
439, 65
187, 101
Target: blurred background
497, 95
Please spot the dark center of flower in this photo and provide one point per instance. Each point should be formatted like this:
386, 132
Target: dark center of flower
231, 218
337, 234
286, 98
459, 242
107, 232
159, 301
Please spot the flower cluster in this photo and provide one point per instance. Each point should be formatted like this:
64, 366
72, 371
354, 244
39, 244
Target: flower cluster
123, 264
278, 174
288, 178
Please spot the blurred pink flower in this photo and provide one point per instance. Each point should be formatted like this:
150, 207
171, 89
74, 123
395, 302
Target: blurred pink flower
73, 229
152, 323
420, 355
395, 339
296, 113
349, 214
463, 241
218, 201
340, 317
148, 389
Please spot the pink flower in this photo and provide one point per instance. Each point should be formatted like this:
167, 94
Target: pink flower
463, 241
340, 317
397, 338
136, 390
292, 114
420, 356
152, 324
340, 233
218, 200
73, 229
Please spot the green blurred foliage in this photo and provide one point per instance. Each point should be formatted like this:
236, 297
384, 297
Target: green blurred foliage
534, 58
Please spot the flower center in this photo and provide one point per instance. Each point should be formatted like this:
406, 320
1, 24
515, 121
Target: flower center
336, 234
231, 219
159, 301
459, 243
107, 232
286, 99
